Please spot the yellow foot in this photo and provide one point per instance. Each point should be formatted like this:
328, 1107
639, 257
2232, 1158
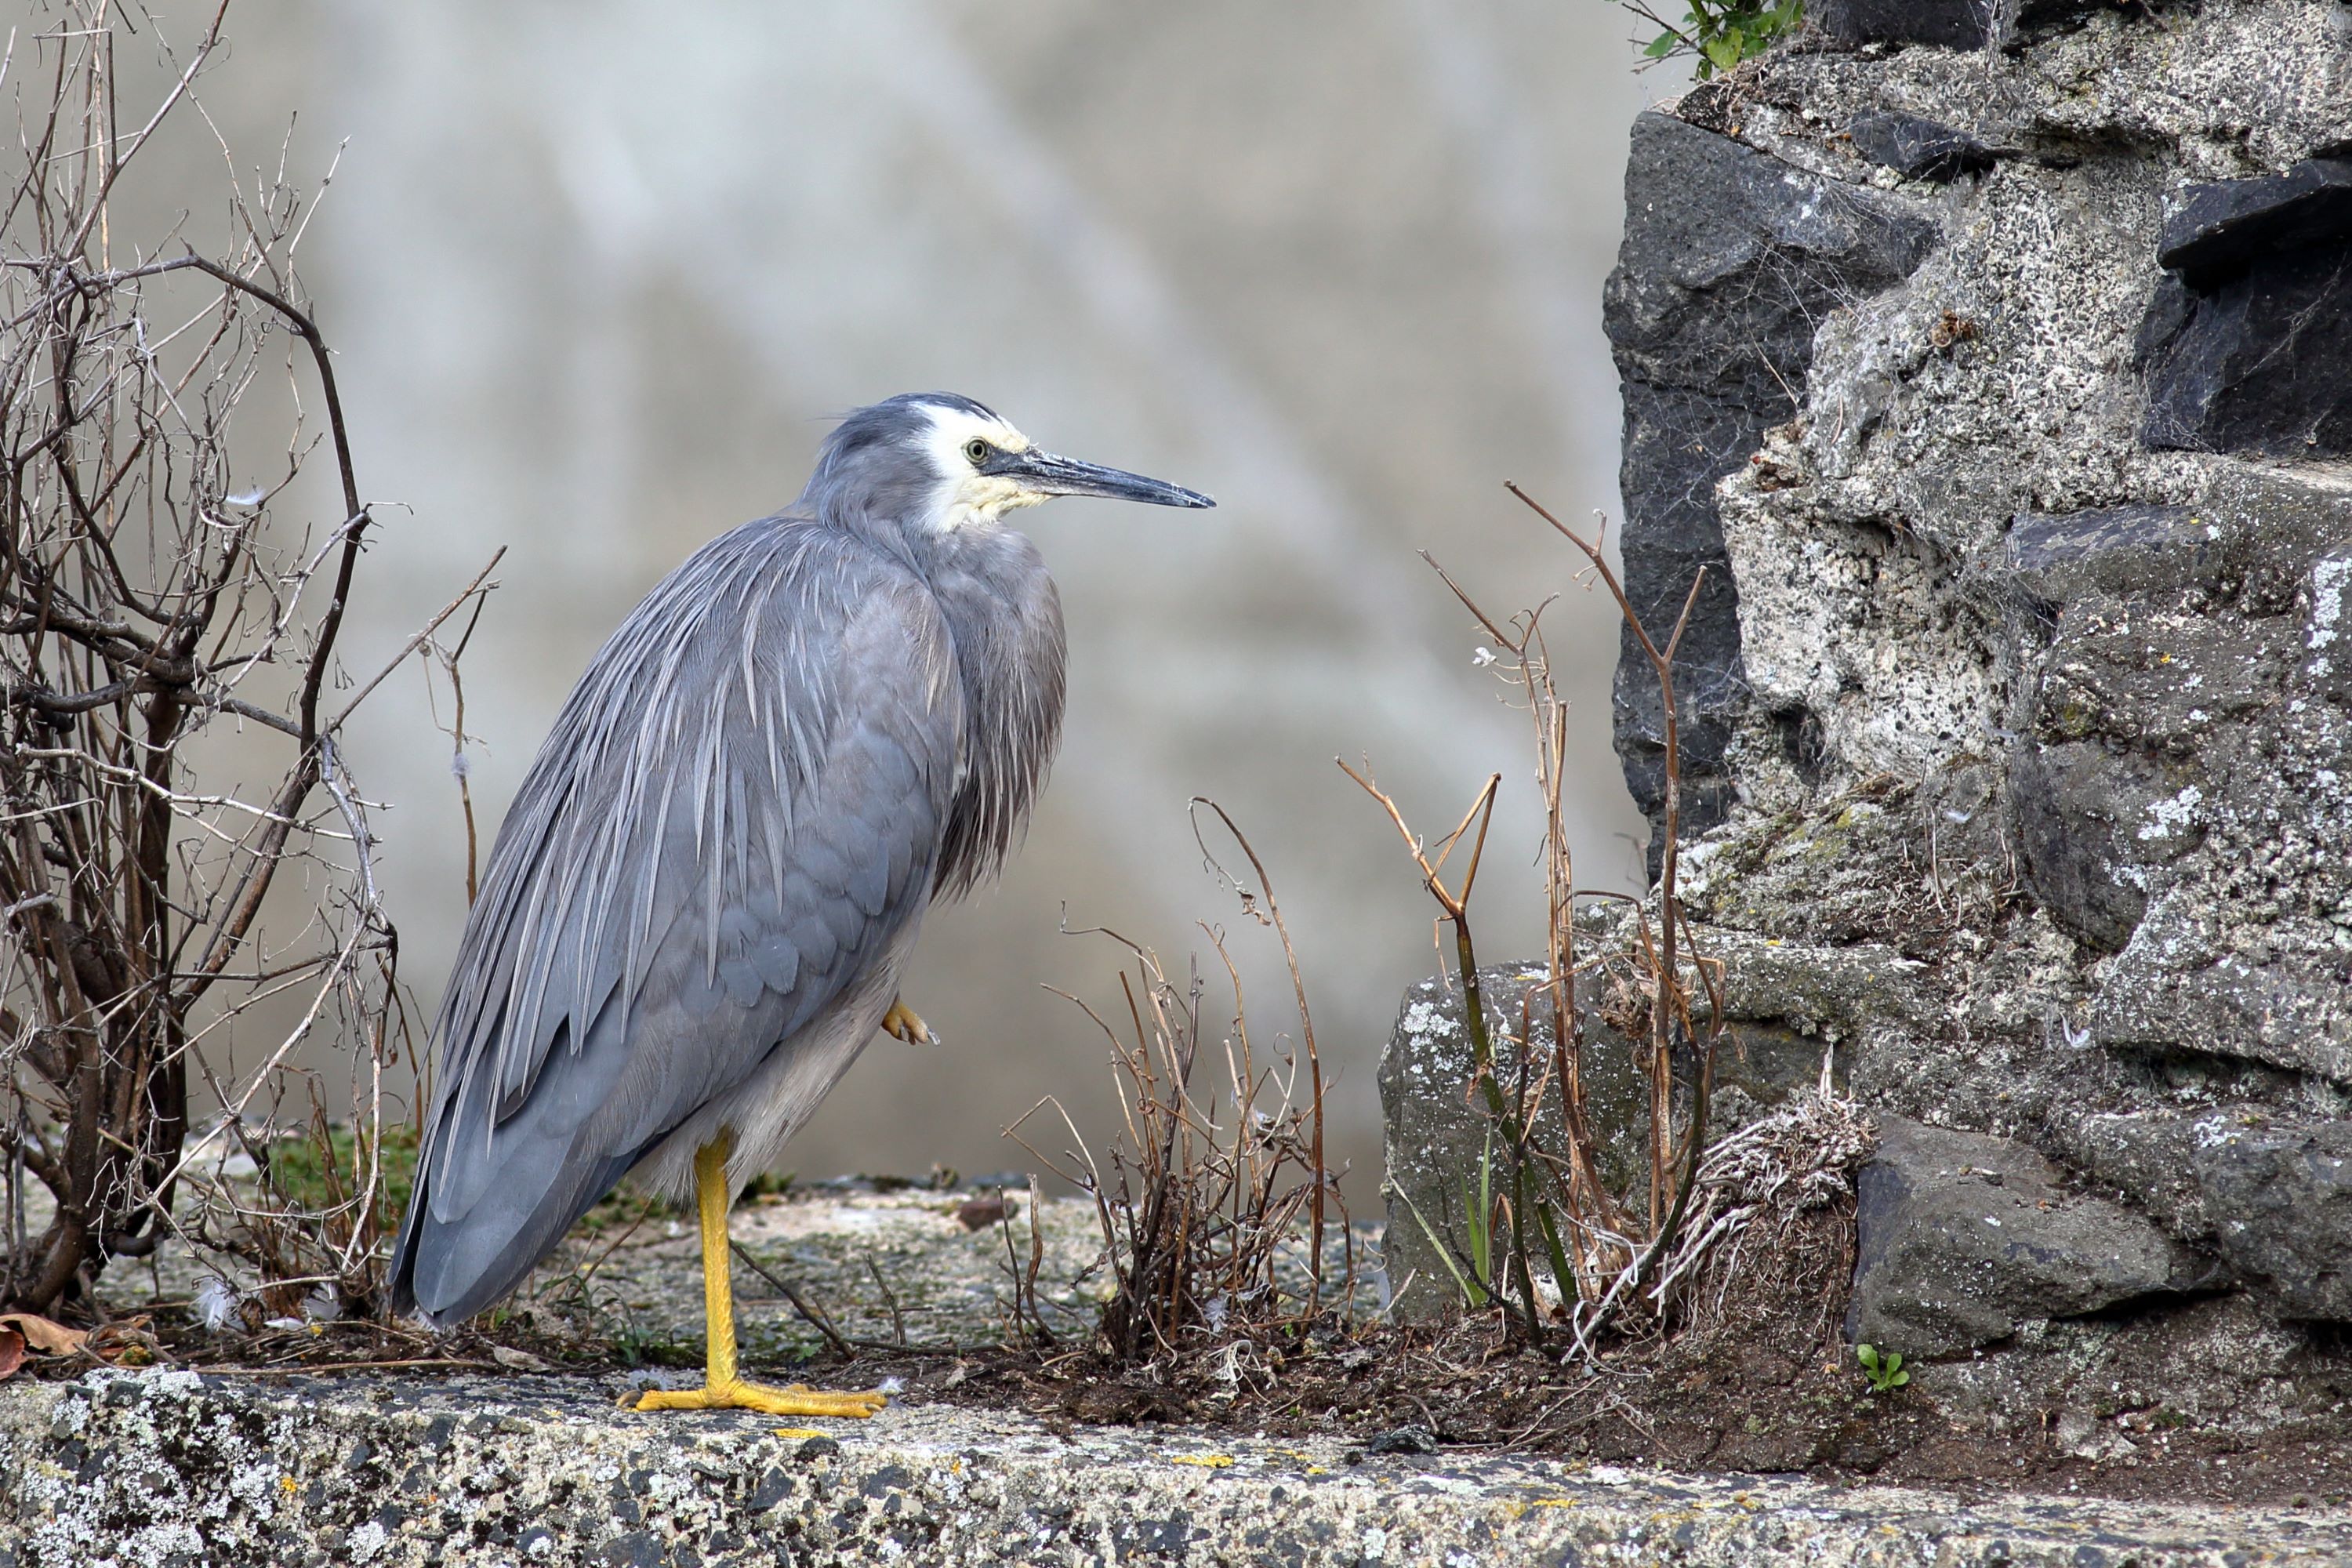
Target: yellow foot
901, 1021
799, 1399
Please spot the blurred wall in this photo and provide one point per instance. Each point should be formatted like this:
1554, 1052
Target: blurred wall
599, 275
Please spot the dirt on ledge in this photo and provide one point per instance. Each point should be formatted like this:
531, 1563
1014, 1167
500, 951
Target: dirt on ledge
1764, 1384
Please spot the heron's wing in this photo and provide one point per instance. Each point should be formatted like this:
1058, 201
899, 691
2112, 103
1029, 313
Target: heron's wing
738, 810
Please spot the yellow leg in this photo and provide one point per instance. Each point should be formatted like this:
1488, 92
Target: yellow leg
723, 1388
901, 1021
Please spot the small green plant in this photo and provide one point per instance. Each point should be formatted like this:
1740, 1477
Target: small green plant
1473, 1264
1883, 1368
637, 1346
1720, 32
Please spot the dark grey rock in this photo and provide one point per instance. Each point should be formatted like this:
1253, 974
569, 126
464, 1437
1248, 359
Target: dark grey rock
2247, 345
2137, 549
2161, 678
2256, 365
2081, 811
2223, 226
2279, 993
1414, 1439
1963, 1237
1954, 24
1917, 149
2272, 1195
1731, 259
2281, 1197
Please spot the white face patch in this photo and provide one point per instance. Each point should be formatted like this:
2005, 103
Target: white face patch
967, 497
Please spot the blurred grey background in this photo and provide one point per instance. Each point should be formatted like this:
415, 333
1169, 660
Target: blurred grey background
599, 274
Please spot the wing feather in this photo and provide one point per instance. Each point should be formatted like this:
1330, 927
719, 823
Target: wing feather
738, 810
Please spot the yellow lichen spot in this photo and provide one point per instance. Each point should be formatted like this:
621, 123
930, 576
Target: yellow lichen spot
1318, 1470
286, 1484
801, 1432
1553, 1502
1207, 1461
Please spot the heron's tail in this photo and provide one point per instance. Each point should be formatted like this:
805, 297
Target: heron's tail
448, 1267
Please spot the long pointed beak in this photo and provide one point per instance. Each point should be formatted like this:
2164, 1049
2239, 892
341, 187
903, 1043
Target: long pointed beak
1068, 477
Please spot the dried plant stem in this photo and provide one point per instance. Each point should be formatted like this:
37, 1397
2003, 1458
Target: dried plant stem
1205, 1197
1600, 1258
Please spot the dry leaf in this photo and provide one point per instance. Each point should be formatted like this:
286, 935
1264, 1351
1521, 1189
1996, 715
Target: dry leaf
12, 1352
42, 1335
521, 1361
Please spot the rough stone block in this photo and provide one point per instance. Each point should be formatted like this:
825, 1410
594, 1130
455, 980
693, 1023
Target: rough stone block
1436, 1134
1917, 149
2272, 1195
2161, 678
2140, 549
2081, 812
2280, 993
1731, 259
2247, 344
2284, 1196
2223, 226
1962, 1237
394, 1471
1954, 24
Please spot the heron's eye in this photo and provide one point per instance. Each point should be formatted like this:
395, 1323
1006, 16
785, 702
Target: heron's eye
977, 450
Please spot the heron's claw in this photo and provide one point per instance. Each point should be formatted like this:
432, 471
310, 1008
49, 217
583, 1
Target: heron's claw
901, 1023
799, 1399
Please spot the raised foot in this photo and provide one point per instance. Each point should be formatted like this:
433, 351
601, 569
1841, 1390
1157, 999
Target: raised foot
799, 1399
901, 1022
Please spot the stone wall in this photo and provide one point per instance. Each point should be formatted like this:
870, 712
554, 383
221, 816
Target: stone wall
1999, 359
2039, 563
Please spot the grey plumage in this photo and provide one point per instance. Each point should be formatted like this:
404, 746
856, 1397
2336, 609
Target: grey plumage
694, 912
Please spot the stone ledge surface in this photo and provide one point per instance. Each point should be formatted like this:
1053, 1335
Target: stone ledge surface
394, 1470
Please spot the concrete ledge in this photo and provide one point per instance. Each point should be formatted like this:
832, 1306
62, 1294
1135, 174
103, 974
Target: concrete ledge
391, 1470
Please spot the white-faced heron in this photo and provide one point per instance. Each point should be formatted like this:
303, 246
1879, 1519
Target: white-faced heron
695, 911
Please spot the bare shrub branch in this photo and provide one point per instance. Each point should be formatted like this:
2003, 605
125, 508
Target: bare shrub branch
151, 587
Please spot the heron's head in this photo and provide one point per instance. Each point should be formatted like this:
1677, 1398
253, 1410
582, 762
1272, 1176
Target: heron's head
942, 462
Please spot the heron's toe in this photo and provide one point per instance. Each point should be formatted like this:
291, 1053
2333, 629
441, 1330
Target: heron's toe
901, 1022
797, 1400
801, 1399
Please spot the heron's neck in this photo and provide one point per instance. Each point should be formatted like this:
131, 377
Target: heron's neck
1006, 618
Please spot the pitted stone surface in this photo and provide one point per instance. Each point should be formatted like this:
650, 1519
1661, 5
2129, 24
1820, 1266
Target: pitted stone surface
1962, 1237
1437, 1138
392, 1472
1730, 258
2037, 755
2085, 703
